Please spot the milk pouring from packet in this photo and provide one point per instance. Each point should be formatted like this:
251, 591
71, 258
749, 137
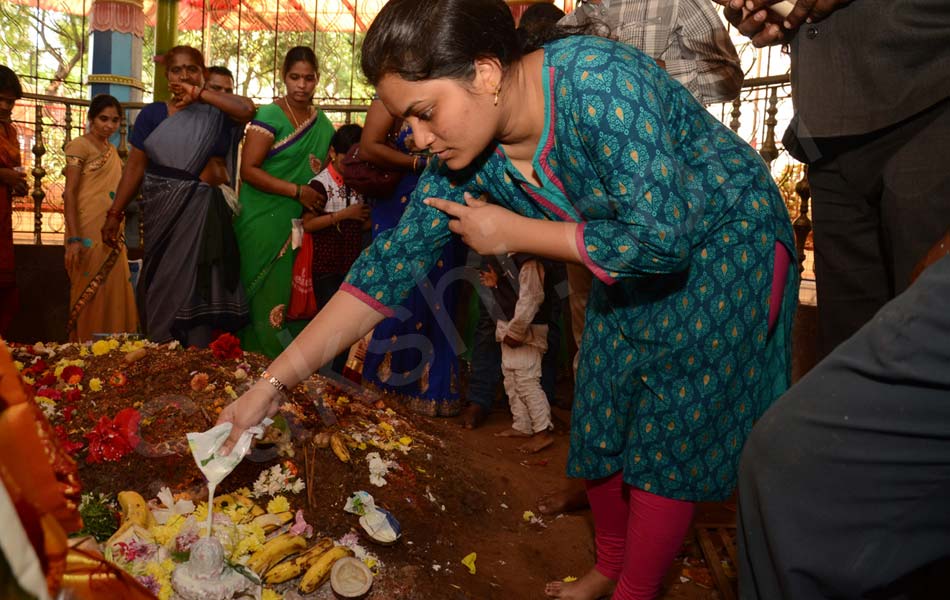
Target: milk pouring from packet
204, 448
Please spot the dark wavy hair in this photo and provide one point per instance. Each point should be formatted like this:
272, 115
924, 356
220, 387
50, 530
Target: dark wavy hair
441, 39
344, 137
100, 103
219, 70
194, 53
434, 39
300, 54
9, 82
535, 24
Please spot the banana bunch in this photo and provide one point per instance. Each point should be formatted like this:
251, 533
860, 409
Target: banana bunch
275, 550
298, 565
338, 445
319, 571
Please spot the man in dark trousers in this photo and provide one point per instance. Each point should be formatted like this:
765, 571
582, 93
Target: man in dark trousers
844, 483
872, 120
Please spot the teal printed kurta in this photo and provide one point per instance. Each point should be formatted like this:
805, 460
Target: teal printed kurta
678, 220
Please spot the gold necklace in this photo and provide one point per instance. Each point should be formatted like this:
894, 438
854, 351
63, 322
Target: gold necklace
293, 114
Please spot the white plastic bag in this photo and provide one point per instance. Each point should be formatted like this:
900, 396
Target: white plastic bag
204, 447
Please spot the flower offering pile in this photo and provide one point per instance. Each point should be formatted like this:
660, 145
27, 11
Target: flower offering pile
123, 407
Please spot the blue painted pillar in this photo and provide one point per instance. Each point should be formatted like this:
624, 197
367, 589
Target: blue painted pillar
116, 59
117, 28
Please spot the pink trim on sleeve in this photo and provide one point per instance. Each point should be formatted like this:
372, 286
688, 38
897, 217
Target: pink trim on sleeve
547, 204
367, 299
549, 144
590, 264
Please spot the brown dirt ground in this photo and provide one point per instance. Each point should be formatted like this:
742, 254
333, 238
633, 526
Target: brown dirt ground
456, 492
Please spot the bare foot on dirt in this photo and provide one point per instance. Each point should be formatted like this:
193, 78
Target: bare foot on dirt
473, 416
568, 499
591, 586
512, 433
538, 442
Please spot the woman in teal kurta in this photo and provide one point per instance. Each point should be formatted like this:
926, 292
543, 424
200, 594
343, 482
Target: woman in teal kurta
612, 164
286, 145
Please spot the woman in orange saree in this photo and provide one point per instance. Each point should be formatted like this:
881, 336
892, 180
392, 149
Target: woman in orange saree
12, 183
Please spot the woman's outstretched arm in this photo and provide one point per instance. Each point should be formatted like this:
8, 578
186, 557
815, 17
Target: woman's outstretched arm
238, 108
340, 323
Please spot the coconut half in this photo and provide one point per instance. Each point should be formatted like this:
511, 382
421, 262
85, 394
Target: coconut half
350, 578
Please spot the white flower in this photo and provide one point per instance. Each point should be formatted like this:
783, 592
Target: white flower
378, 468
172, 506
276, 480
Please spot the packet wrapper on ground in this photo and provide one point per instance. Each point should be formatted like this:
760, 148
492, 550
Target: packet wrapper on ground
381, 526
205, 445
360, 503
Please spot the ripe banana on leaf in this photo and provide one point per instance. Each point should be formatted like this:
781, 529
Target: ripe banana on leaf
319, 571
274, 551
338, 445
298, 565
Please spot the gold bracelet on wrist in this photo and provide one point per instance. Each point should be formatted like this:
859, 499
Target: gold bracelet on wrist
276, 383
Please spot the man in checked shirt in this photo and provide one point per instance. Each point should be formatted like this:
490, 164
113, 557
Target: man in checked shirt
687, 38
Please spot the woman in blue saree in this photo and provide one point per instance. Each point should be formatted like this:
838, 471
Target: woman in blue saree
411, 354
286, 145
189, 286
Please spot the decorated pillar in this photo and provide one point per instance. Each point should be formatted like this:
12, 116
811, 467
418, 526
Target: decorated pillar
117, 28
166, 38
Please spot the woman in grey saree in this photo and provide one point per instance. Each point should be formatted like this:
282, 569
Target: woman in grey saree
190, 284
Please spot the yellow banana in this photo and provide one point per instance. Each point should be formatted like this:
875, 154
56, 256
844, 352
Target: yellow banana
135, 510
298, 565
319, 571
274, 551
339, 447
269, 522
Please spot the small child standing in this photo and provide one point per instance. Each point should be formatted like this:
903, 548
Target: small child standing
337, 231
521, 313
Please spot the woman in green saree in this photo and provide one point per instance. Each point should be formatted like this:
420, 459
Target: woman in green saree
285, 146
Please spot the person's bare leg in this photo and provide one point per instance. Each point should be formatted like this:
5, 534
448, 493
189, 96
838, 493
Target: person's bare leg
537, 443
570, 498
473, 416
591, 586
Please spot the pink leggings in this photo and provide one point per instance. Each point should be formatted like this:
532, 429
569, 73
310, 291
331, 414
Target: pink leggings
780, 267
638, 533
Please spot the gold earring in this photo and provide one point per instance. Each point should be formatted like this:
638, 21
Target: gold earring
497, 90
